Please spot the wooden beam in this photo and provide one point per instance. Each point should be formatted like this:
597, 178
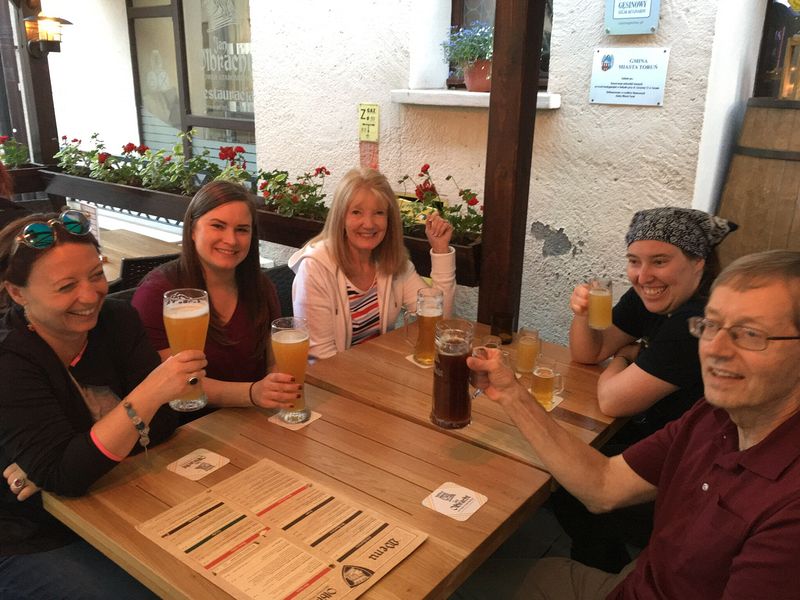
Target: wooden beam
512, 112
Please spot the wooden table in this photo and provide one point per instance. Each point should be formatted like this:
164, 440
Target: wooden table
386, 462
116, 244
377, 374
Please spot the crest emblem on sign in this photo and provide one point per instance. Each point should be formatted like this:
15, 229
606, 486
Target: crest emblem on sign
607, 62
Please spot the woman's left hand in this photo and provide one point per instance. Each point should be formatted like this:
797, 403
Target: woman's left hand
18, 482
276, 390
438, 231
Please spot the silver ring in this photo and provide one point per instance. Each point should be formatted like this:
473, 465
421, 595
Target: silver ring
19, 483
192, 380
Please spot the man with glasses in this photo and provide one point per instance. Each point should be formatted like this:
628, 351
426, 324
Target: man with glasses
725, 476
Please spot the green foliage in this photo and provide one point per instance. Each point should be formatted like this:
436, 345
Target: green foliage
161, 170
466, 216
468, 44
303, 198
13, 154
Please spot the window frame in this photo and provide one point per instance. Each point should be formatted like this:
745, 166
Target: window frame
174, 10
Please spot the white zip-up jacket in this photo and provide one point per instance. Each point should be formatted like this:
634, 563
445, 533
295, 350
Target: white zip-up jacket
319, 294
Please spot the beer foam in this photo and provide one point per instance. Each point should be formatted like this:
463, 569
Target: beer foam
599, 292
430, 312
185, 311
290, 336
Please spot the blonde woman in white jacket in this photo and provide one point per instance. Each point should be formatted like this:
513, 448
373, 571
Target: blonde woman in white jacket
353, 278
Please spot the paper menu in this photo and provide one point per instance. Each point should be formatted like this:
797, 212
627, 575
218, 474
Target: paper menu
269, 533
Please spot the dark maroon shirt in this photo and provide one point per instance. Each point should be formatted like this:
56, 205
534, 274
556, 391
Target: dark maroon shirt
233, 362
727, 522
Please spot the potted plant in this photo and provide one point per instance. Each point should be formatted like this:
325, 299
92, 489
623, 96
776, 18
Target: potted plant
470, 49
466, 217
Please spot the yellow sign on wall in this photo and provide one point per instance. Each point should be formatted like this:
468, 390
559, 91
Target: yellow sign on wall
368, 122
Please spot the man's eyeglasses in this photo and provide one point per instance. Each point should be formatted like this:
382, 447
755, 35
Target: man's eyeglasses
744, 337
41, 235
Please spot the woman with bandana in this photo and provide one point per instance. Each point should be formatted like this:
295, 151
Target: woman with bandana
654, 372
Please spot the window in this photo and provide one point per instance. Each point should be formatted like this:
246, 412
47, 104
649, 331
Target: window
465, 12
192, 70
780, 24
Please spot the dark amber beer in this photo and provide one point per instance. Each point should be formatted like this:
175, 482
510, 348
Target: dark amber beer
451, 399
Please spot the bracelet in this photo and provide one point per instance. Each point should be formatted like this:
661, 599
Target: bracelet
141, 427
250, 394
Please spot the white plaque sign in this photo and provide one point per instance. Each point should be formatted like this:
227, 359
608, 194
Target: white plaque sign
627, 17
629, 76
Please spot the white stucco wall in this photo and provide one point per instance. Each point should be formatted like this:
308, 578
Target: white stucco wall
91, 76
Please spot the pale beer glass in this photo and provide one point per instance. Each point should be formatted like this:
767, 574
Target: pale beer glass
528, 348
451, 399
429, 311
186, 317
547, 382
290, 349
600, 303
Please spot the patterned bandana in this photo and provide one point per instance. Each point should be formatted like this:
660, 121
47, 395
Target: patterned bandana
693, 231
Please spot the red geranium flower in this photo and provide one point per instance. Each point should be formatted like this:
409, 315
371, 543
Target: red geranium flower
168, 158
129, 147
142, 149
103, 157
239, 149
424, 169
3, 139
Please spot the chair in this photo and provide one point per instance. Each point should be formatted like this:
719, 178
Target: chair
133, 270
282, 278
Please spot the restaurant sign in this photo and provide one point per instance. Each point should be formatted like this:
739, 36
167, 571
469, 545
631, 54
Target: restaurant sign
628, 17
629, 76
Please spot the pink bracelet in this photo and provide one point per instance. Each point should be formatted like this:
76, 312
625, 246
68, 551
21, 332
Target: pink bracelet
103, 449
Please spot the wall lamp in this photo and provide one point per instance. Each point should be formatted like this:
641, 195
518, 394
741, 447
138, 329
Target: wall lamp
44, 34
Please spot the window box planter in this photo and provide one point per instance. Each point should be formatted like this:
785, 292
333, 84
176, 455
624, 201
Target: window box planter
272, 227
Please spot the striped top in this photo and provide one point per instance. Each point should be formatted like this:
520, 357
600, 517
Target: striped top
365, 312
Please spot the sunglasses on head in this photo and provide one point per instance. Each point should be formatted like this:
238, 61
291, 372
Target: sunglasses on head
41, 235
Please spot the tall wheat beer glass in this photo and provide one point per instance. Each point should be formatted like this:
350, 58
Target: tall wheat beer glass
186, 321
290, 349
430, 308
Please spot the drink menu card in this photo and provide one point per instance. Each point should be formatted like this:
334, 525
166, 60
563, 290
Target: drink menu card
270, 533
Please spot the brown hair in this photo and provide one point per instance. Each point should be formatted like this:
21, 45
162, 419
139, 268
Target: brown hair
16, 266
6, 183
764, 268
251, 284
390, 256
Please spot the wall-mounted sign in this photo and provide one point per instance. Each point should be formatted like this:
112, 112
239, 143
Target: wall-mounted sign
629, 76
628, 17
368, 122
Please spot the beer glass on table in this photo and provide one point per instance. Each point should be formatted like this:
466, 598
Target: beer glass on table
528, 348
547, 382
429, 311
290, 349
600, 303
186, 317
451, 399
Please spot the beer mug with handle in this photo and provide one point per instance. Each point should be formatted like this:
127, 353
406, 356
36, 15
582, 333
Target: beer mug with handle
452, 404
429, 311
186, 322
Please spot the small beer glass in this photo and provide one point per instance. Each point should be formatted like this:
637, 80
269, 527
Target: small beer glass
600, 303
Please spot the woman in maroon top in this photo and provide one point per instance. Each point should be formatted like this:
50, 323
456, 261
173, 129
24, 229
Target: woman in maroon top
220, 255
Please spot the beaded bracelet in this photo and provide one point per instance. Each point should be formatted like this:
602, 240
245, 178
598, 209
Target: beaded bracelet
141, 427
250, 394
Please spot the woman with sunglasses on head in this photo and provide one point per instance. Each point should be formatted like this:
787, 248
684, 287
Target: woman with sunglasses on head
82, 388
220, 255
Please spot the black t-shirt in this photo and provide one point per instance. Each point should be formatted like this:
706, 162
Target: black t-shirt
669, 352
45, 423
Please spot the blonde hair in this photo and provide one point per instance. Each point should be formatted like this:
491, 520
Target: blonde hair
390, 257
